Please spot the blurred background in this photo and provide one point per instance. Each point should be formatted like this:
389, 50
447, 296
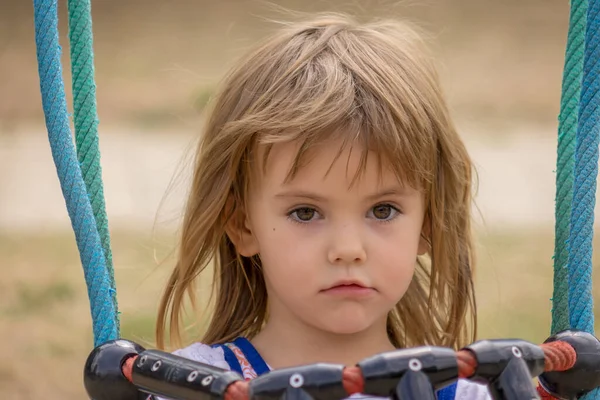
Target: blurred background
157, 64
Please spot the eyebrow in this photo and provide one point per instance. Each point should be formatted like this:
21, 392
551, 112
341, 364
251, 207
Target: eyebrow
393, 191
303, 194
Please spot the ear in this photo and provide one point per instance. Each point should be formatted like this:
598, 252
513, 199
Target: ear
425, 239
239, 230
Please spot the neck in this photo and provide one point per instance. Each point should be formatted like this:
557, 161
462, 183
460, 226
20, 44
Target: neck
289, 343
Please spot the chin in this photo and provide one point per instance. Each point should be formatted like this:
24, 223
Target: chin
346, 325
347, 329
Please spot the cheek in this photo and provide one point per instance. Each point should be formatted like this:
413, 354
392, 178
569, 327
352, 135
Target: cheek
288, 253
397, 254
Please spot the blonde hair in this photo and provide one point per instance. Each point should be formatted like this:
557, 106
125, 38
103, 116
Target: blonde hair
374, 83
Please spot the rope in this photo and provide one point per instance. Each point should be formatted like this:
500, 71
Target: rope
584, 186
103, 309
567, 129
86, 120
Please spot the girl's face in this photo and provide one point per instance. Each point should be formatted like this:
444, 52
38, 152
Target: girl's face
335, 257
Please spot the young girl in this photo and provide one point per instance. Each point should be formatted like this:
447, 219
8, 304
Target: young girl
331, 197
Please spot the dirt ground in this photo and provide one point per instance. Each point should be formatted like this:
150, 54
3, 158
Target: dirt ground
145, 179
157, 62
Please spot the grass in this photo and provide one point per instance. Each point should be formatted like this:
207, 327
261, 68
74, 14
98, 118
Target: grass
39, 299
45, 312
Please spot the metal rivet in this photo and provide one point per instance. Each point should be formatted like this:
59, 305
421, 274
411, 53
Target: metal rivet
143, 360
517, 352
193, 375
207, 380
296, 380
156, 366
415, 364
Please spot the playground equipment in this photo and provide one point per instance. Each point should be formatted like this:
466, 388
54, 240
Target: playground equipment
567, 364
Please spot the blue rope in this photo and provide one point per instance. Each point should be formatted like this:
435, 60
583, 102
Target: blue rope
86, 120
565, 161
104, 315
581, 313
584, 187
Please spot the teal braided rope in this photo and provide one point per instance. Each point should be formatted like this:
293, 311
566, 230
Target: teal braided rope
567, 129
103, 310
584, 186
86, 120
581, 302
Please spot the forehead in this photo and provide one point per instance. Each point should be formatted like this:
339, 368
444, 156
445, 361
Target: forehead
332, 163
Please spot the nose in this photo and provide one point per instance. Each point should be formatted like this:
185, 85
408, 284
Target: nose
347, 246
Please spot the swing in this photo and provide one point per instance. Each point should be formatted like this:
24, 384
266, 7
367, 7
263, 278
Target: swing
567, 364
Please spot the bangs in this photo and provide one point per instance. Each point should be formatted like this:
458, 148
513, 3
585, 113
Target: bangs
369, 90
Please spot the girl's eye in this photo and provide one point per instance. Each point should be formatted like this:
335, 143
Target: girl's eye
304, 214
384, 212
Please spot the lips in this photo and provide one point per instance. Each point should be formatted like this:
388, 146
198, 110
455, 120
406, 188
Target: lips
355, 283
349, 288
